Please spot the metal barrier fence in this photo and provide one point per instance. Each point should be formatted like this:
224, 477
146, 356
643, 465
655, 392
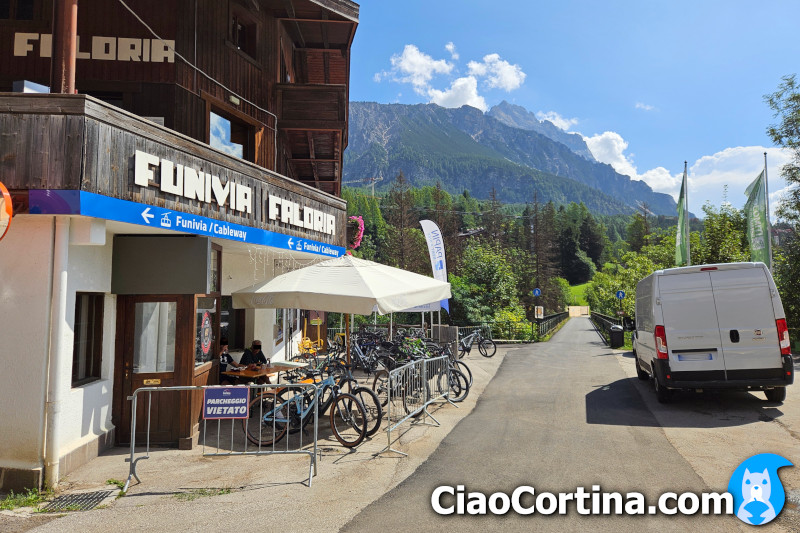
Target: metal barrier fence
411, 388
603, 323
272, 416
551, 322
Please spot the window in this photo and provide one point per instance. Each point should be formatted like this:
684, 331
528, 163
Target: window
154, 337
87, 351
17, 9
243, 31
230, 135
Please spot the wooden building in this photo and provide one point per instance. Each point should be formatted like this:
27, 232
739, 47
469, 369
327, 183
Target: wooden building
202, 154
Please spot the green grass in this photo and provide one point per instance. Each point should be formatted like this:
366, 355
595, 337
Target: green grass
119, 484
30, 498
577, 296
200, 493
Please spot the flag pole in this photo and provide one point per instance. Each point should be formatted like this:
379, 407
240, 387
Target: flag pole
688, 220
769, 221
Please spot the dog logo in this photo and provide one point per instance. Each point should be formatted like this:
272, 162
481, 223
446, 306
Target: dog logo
758, 495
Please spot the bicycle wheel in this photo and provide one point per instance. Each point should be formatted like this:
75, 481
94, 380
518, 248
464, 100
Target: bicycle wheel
372, 407
458, 385
335, 368
415, 393
286, 397
462, 350
266, 423
462, 366
380, 386
487, 347
348, 420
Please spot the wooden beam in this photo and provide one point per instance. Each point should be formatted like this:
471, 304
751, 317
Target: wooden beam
313, 156
287, 19
290, 10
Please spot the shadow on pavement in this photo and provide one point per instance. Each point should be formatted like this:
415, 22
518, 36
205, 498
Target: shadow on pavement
624, 403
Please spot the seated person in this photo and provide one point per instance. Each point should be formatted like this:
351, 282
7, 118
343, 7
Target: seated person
226, 360
254, 356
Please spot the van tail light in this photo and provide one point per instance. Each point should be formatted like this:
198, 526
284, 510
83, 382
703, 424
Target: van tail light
661, 342
783, 337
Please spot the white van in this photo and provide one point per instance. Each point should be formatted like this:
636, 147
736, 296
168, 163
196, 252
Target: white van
712, 326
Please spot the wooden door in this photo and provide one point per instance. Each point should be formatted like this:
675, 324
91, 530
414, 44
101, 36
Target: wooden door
150, 344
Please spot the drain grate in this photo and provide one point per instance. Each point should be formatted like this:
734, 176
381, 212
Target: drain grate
78, 502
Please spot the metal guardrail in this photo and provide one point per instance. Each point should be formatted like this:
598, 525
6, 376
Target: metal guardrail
411, 388
603, 323
551, 322
239, 444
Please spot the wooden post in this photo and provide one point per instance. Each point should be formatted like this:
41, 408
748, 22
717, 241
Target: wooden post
65, 37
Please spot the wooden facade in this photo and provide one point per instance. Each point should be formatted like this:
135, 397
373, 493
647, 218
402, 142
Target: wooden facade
75, 142
277, 69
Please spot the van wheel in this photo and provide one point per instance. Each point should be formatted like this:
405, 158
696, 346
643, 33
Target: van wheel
778, 394
663, 394
641, 373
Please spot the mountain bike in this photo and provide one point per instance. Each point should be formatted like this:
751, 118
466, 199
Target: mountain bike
486, 347
274, 413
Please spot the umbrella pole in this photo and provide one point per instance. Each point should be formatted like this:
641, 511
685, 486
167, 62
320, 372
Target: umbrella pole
347, 336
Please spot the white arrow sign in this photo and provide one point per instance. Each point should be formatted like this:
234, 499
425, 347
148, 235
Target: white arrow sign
146, 215
290, 242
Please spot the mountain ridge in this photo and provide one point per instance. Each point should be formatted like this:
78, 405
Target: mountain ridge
466, 149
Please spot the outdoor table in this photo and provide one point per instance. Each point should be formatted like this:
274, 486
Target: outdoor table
265, 370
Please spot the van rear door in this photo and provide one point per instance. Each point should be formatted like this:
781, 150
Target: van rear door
690, 321
747, 323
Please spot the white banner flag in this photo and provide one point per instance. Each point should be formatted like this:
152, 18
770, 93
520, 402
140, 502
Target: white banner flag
433, 235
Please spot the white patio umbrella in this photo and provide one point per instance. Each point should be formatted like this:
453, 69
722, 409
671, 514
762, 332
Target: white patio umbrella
344, 285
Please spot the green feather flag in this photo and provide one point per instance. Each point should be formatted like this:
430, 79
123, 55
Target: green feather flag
757, 222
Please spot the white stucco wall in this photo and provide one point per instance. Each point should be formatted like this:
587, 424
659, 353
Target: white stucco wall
243, 270
26, 263
25, 273
86, 412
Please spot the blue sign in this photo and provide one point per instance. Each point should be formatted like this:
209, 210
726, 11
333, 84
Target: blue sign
220, 403
99, 206
620, 294
537, 291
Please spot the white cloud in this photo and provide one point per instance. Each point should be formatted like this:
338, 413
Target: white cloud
463, 91
709, 177
500, 73
559, 121
609, 147
450, 47
645, 107
417, 68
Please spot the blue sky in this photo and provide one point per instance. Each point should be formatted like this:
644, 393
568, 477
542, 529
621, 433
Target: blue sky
649, 84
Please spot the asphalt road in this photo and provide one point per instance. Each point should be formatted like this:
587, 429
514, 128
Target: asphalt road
556, 416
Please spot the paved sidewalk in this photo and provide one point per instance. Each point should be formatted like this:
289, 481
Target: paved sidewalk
184, 491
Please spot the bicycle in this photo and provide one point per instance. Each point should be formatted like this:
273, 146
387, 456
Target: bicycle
486, 347
271, 416
332, 366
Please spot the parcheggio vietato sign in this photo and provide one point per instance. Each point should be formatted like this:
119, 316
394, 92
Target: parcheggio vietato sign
225, 402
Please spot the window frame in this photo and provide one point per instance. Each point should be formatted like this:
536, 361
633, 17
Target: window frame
13, 9
239, 17
88, 335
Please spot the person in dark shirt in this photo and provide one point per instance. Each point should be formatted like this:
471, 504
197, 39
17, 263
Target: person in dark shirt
253, 355
226, 360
